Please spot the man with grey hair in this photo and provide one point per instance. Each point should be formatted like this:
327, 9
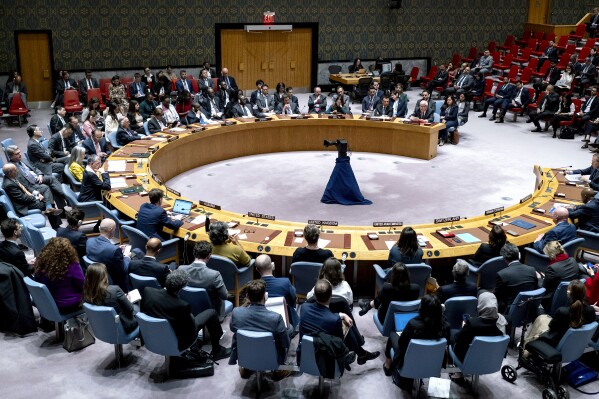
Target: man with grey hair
459, 287
423, 114
311, 252
227, 245
101, 249
563, 231
124, 134
166, 304
514, 279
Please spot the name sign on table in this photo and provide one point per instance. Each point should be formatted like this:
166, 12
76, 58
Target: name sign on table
494, 210
529, 196
173, 191
210, 205
324, 222
260, 216
449, 219
387, 224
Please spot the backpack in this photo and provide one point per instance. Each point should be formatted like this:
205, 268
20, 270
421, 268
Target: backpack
566, 133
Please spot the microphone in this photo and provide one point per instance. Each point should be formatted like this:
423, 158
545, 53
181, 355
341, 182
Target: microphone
343, 257
555, 174
302, 110
186, 236
207, 224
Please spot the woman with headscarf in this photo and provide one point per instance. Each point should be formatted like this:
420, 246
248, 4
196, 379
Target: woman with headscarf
489, 323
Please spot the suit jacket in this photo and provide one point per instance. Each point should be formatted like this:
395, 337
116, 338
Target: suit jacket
263, 104
506, 90
388, 111
590, 73
254, 96
390, 293
231, 84
441, 78
511, 281
257, 318
450, 114
16, 312
133, 92
369, 103
551, 53
322, 101
39, 156
150, 267
154, 125
146, 109
550, 102
151, 219
179, 86
454, 289
464, 84
10, 87
92, 186
56, 124
552, 75
594, 111
429, 115
200, 276
124, 137
83, 85
524, 96
100, 249
20, 200
432, 105
402, 108
587, 215
563, 232
164, 305
474, 327
56, 147
61, 85
77, 239
239, 113
294, 108
193, 117
11, 253
222, 96
317, 318
565, 270
90, 149
206, 105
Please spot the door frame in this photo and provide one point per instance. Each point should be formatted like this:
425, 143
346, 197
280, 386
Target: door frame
313, 26
51, 42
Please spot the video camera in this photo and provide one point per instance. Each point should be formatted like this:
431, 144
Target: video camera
340, 144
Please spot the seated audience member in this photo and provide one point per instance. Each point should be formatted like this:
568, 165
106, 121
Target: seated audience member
520, 98
278, 287
478, 87
370, 102
255, 317
170, 113
589, 175
440, 78
406, 250
311, 252
591, 127
587, 75
383, 108
76, 163
98, 291
92, 105
170, 74
560, 268
563, 231
211, 71
166, 304
593, 23
589, 110
316, 317
460, 285
400, 92
157, 123
204, 82
39, 156
399, 75
341, 93
449, 116
152, 218
281, 90
183, 104
423, 114
265, 102
486, 251
135, 117
287, 107
87, 83
148, 266
564, 84
137, 88
429, 324
212, 107
241, 109
551, 77
256, 93
163, 85
225, 96
183, 84
484, 64
59, 144
514, 279
200, 276
398, 287
227, 245
117, 92
94, 181
505, 92
66, 83
488, 323
379, 92
462, 84
588, 213
399, 107
463, 109
77, 238
565, 112
90, 124
97, 145
112, 117
57, 266
147, 106
77, 136
355, 66
148, 77
101, 249
10, 252
289, 93
124, 134
548, 106
195, 115
339, 107
58, 120
332, 272
16, 88
39, 197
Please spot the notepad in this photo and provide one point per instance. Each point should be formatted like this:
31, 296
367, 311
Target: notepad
390, 244
177, 129
118, 182
117, 166
298, 240
522, 224
278, 305
573, 178
467, 238
322, 243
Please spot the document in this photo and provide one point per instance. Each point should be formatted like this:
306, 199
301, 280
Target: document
118, 182
322, 243
177, 129
573, 178
390, 244
198, 220
467, 238
438, 387
117, 166
134, 296
278, 305
298, 240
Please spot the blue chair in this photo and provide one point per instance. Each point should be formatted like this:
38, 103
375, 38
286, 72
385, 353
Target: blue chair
257, 351
36, 238
233, 277
159, 337
456, 308
485, 356
308, 363
146, 130
138, 240
423, 359
114, 215
486, 274
1, 165
112, 138
87, 260
5, 143
419, 273
140, 282
91, 210
591, 241
560, 297
199, 300
539, 261
106, 327
75, 184
34, 216
524, 309
380, 276
304, 276
388, 326
45, 304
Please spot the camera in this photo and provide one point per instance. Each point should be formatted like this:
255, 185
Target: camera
340, 144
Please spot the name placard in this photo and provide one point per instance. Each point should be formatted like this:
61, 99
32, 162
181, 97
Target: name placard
260, 216
529, 196
494, 210
171, 139
173, 191
387, 224
210, 205
324, 222
448, 219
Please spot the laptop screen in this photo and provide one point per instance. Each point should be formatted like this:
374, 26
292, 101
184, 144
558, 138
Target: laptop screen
386, 67
183, 207
401, 319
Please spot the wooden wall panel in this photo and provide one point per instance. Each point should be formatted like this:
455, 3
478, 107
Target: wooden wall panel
538, 11
36, 69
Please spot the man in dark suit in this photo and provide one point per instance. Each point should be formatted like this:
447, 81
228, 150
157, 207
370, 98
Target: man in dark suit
242, 110
459, 287
520, 98
462, 84
517, 277
550, 54
124, 134
287, 107
152, 218
256, 93
317, 102
256, 317
588, 213
370, 102
77, 137
551, 77
157, 123
137, 88
100, 249
195, 115
399, 107
148, 265
211, 106
66, 83
587, 75
423, 113
593, 23
504, 92
265, 102
440, 78
16, 88
590, 174
97, 145
89, 82
77, 238
225, 96
316, 317
60, 144
95, 180
563, 231
147, 106
9, 248
589, 110
58, 121
383, 108
39, 155
200, 276
165, 304
229, 80
183, 84
545, 110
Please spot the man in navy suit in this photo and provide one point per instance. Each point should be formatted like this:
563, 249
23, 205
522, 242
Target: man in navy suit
278, 287
370, 102
459, 287
229, 80
152, 218
384, 109
256, 93
563, 231
137, 88
399, 107
504, 92
590, 174
316, 317
520, 98
514, 279
97, 145
100, 249
77, 238
183, 84
148, 265
9, 248
588, 213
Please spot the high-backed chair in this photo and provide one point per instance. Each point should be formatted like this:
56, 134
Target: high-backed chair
5, 143
75, 184
137, 239
308, 363
45, 304
485, 275
36, 238
233, 277
140, 282
103, 321
419, 273
380, 276
485, 356
524, 309
423, 359
71, 101
112, 138
199, 300
591, 241
34, 216
304, 276
17, 108
257, 351
388, 326
540, 261
456, 308
91, 93
114, 215
90, 208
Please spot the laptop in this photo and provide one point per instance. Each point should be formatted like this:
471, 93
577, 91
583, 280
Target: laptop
361, 71
401, 319
182, 207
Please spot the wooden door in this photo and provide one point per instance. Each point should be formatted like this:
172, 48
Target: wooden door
272, 56
35, 64
538, 11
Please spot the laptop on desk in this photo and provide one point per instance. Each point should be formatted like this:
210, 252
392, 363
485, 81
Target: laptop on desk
182, 207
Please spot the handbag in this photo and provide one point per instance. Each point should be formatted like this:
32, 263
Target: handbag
77, 334
566, 133
455, 137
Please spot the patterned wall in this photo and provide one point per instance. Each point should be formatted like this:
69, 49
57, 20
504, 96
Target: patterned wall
114, 34
568, 12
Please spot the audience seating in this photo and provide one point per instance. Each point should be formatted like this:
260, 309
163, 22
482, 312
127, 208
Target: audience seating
111, 136
304, 276
456, 308
17, 108
524, 39
524, 58
533, 63
431, 75
5, 143
518, 110
75, 184
413, 76
562, 43
560, 297
35, 218
233, 277
541, 49
138, 240
419, 273
471, 55
308, 363
540, 261
36, 238
91, 210
71, 101
141, 282
485, 275
578, 34
505, 64
333, 69
577, 105
91, 93
509, 41
524, 309
591, 242
199, 300
388, 326
106, 213
257, 351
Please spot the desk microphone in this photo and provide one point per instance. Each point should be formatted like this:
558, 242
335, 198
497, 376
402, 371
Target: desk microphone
555, 174
302, 110
186, 236
343, 257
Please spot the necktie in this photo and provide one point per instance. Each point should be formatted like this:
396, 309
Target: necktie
246, 111
139, 88
89, 84
22, 187
26, 172
67, 84
185, 85
227, 80
461, 82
